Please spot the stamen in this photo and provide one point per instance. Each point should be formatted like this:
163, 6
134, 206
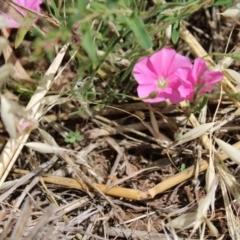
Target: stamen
162, 83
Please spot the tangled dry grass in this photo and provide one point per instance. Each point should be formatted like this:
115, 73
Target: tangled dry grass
128, 178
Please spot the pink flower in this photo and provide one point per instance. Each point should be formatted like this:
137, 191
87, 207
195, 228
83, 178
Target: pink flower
30, 4
157, 79
200, 79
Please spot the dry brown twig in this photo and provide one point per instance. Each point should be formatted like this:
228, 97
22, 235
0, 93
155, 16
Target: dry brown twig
126, 192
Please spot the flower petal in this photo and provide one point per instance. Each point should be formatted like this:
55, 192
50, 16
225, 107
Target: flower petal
212, 77
198, 69
144, 72
167, 61
185, 76
145, 90
162, 60
179, 61
172, 94
187, 93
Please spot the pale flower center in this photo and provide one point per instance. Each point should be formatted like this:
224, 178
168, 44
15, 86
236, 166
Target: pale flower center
162, 83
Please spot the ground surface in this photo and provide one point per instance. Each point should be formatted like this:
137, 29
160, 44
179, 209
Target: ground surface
119, 147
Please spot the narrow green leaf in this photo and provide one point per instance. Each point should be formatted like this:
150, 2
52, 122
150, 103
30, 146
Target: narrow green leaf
55, 9
201, 105
228, 3
89, 45
111, 3
26, 25
175, 32
235, 56
137, 26
81, 5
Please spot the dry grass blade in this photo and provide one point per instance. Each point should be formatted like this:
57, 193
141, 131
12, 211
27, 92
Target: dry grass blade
5, 71
69, 207
231, 151
45, 148
134, 234
213, 230
232, 221
48, 138
7, 184
42, 89
204, 206
41, 223
128, 177
83, 216
44, 168
194, 133
22, 220
38, 171
210, 176
3, 41
13, 147
19, 71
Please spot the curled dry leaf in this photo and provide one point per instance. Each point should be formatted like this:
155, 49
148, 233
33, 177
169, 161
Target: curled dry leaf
8, 117
15, 118
232, 152
95, 133
234, 74
213, 230
3, 43
5, 71
232, 12
184, 221
194, 133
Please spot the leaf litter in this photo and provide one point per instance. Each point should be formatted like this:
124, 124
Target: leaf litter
102, 187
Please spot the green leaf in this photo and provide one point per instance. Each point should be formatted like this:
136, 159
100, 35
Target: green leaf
235, 56
111, 3
89, 45
26, 25
82, 5
236, 95
137, 26
73, 137
176, 32
201, 104
54, 7
228, 3
79, 137
183, 167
